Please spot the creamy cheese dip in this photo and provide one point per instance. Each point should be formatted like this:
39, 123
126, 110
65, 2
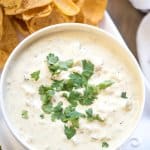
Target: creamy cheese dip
120, 114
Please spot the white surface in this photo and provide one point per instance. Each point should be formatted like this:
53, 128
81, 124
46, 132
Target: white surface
139, 139
143, 46
143, 5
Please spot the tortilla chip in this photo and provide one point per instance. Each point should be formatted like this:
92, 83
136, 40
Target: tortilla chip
79, 3
27, 5
67, 7
1, 23
80, 18
93, 11
71, 19
11, 3
19, 16
55, 17
21, 26
37, 12
3, 57
9, 39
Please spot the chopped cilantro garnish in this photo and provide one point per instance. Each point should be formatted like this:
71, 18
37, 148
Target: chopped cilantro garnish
92, 117
52, 59
35, 75
56, 66
69, 132
57, 85
64, 65
43, 89
89, 113
73, 97
105, 84
57, 111
98, 118
77, 80
42, 116
89, 95
68, 85
88, 69
124, 95
71, 86
105, 145
45, 99
54, 69
47, 108
70, 114
46, 93
24, 114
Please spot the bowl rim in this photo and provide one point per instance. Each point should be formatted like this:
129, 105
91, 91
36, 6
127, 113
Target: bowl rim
66, 26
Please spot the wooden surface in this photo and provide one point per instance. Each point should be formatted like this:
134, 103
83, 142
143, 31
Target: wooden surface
127, 20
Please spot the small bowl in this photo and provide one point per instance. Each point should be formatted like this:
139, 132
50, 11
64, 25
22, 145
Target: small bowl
106, 37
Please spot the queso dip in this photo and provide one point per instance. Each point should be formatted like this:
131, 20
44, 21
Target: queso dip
68, 91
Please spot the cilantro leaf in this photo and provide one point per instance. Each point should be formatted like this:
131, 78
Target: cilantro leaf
42, 116
90, 94
88, 69
89, 113
77, 79
98, 118
52, 59
43, 89
35, 75
69, 132
57, 111
64, 65
71, 115
75, 123
105, 145
68, 85
92, 117
47, 108
54, 69
56, 66
73, 98
124, 95
46, 93
57, 85
105, 84
46, 98
24, 114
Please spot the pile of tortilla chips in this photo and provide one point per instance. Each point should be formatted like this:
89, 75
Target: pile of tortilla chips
27, 16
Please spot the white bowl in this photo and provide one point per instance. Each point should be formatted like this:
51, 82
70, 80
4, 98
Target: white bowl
106, 37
